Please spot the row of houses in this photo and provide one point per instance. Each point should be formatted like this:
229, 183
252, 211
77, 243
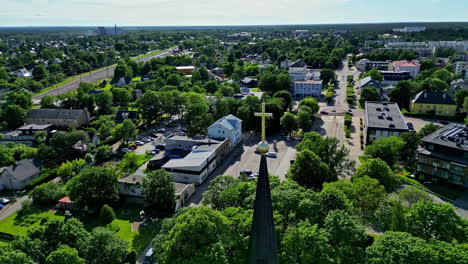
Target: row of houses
412, 68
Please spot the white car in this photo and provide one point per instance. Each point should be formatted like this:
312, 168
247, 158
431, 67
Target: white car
139, 143
146, 140
126, 150
272, 154
4, 201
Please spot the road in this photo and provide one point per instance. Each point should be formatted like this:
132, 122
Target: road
13, 207
94, 76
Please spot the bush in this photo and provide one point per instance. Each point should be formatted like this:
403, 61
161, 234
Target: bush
103, 153
26, 208
107, 214
348, 132
89, 158
47, 193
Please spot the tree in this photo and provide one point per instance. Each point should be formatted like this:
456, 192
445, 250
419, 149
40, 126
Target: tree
427, 220
47, 102
14, 116
399, 247
306, 243
39, 72
377, 169
129, 162
103, 153
428, 129
327, 76
159, 189
309, 171
286, 96
150, 106
195, 236
289, 122
211, 87
367, 194
311, 103
386, 149
106, 247
403, 92
104, 102
98, 181
10, 256
369, 93
70, 169
408, 55
330, 151
125, 131
303, 119
411, 146
460, 96
41, 137
375, 74
283, 82
413, 195
47, 193
214, 195
64, 254
121, 96
434, 84
197, 116
3, 74
107, 214
443, 74
346, 235
267, 82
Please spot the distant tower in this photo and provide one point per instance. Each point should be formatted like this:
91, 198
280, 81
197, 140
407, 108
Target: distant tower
115, 30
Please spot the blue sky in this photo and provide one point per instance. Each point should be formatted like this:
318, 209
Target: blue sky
225, 12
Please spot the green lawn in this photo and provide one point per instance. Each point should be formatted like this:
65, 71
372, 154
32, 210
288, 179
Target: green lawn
255, 90
136, 79
137, 240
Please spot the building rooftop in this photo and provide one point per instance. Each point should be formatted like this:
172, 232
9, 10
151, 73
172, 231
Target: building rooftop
55, 113
185, 67
384, 115
34, 127
452, 135
24, 169
433, 97
405, 63
229, 122
310, 81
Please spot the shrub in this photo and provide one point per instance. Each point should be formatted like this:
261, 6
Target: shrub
89, 158
47, 193
107, 214
103, 153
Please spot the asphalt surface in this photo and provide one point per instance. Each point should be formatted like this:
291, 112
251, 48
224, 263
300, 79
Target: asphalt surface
92, 77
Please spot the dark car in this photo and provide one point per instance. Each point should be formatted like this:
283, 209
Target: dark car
443, 122
324, 112
161, 146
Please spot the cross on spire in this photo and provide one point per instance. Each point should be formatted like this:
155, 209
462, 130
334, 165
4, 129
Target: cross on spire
263, 146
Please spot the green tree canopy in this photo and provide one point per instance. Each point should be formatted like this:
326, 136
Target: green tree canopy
386, 149
159, 189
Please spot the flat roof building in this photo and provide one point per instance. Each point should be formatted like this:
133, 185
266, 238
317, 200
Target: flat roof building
383, 120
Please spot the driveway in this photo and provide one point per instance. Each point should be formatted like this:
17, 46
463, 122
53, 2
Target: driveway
13, 207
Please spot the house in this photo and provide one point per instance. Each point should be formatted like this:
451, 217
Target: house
23, 73
185, 69
456, 85
307, 88
18, 175
249, 82
368, 81
123, 114
25, 134
437, 103
227, 127
383, 120
298, 64
122, 82
443, 156
411, 66
65, 203
298, 73
58, 117
366, 65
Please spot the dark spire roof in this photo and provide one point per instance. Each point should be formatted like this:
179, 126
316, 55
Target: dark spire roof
263, 248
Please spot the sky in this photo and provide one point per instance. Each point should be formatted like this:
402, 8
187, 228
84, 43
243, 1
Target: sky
225, 12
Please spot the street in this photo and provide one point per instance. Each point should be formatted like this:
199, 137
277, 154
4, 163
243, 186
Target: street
93, 76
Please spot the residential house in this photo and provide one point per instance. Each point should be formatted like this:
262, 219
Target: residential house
456, 85
249, 82
25, 134
437, 103
23, 73
122, 82
185, 69
443, 156
383, 120
461, 68
368, 81
58, 117
18, 175
411, 66
227, 127
123, 114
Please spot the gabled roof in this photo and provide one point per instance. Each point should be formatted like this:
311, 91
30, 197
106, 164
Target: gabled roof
122, 115
247, 80
298, 64
229, 122
433, 97
55, 113
24, 169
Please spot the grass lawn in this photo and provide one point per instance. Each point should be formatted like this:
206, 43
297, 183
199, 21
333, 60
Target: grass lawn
255, 90
20, 226
136, 79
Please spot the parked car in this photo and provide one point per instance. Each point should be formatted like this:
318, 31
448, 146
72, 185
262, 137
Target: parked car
4, 201
154, 135
180, 133
170, 135
133, 147
291, 161
147, 140
148, 259
1, 206
155, 151
139, 143
253, 176
126, 150
324, 112
443, 122
272, 154
247, 172
161, 130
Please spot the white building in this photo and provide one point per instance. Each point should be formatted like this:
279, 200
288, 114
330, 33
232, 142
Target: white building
461, 68
194, 168
298, 73
409, 29
227, 127
383, 120
307, 88
23, 73
410, 66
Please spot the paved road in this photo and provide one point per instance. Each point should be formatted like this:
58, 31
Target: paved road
12, 208
93, 77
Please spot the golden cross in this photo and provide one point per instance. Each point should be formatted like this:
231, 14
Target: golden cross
263, 115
